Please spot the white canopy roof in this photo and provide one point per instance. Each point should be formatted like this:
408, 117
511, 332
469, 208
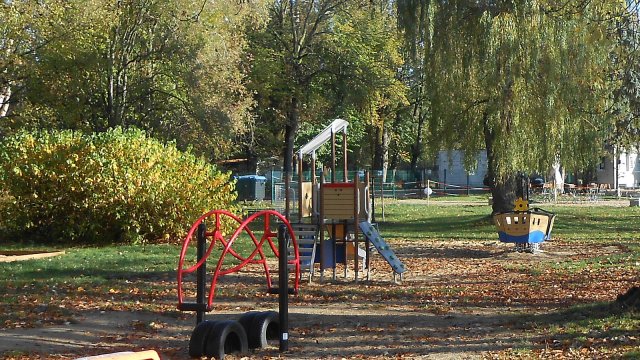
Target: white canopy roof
336, 126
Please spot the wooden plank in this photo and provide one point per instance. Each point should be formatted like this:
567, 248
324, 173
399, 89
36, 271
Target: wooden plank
125, 355
338, 214
306, 198
340, 205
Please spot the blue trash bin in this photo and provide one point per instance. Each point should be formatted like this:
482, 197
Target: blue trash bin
251, 187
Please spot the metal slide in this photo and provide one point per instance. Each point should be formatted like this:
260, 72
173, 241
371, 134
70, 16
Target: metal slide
383, 248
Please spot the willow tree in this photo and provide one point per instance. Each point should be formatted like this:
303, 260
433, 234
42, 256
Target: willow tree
415, 20
525, 81
626, 133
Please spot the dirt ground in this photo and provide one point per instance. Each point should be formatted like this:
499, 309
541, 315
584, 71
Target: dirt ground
459, 300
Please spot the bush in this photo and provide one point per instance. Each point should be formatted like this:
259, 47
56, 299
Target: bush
117, 186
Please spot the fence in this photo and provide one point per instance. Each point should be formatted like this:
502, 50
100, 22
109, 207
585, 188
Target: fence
405, 185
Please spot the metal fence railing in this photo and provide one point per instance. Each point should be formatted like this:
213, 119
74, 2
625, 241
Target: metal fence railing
388, 190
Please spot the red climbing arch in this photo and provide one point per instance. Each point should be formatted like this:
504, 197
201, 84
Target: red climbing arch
219, 220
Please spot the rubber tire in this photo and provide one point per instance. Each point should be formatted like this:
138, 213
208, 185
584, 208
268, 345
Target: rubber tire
226, 337
198, 339
264, 327
246, 319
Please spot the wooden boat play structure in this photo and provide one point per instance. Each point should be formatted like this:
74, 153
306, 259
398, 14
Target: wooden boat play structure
526, 228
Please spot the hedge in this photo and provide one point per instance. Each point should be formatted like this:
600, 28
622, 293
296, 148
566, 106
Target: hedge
118, 186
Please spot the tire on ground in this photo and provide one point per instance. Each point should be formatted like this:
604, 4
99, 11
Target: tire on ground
265, 326
246, 319
198, 339
226, 337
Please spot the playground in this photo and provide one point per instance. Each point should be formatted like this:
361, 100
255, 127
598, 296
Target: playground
322, 278
465, 295
322, 179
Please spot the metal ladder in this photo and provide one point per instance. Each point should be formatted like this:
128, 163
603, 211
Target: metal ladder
306, 235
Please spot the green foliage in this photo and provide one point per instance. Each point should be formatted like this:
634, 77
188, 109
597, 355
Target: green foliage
365, 52
120, 186
527, 84
627, 96
174, 68
346, 68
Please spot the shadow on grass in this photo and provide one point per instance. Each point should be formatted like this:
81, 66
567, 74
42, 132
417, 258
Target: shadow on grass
605, 324
452, 253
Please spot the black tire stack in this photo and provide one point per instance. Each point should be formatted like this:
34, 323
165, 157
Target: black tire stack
253, 330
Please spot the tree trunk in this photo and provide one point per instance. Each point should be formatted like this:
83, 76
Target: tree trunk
5, 88
5, 96
111, 121
503, 189
377, 153
630, 299
290, 133
416, 148
290, 130
381, 151
386, 139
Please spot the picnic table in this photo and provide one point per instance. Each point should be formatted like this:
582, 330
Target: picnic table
591, 191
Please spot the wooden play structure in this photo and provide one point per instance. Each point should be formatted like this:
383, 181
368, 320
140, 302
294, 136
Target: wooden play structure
332, 213
329, 220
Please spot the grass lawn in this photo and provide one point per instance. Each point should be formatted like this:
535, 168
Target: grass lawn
595, 253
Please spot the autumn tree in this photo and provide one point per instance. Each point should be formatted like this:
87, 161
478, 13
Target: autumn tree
361, 81
174, 68
296, 28
349, 70
26, 28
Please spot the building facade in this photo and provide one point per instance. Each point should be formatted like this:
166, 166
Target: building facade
451, 171
625, 171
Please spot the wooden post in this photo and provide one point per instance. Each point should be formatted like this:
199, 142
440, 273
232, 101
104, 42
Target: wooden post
367, 245
333, 157
356, 219
300, 176
321, 227
314, 200
373, 198
345, 223
334, 249
344, 152
382, 197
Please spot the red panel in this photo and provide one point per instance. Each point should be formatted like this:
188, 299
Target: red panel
339, 185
